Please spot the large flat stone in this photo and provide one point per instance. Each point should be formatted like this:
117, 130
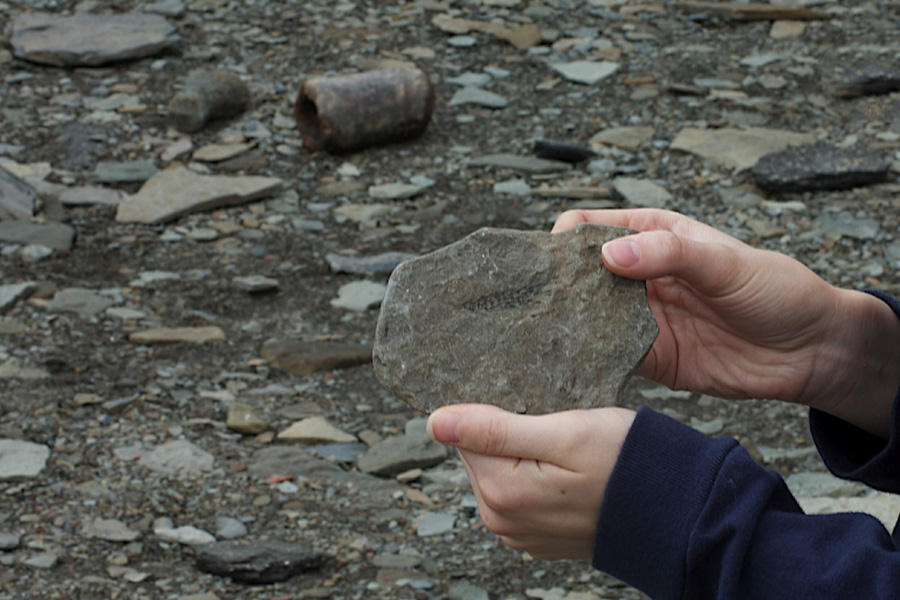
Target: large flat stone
529, 321
89, 40
178, 191
737, 148
821, 166
256, 561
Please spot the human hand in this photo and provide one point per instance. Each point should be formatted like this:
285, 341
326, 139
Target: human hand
539, 480
739, 322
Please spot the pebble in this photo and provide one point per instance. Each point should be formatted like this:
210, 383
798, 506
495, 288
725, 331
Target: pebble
526, 164
640, 192
394, 191
20, 459
587, 72
315, 430
515, 187
246, 419
228, 528
255, 284
432, 523
361, 265
187, 535
177, 457
359, 295
478, 97
112, 530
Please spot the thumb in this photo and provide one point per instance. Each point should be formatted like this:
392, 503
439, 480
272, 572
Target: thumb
492, 431
708, 266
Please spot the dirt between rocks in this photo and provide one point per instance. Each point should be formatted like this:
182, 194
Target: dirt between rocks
101, 403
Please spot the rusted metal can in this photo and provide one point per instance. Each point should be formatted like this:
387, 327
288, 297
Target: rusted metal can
349, 112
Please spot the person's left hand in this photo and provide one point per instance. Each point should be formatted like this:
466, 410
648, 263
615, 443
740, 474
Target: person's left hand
539, 480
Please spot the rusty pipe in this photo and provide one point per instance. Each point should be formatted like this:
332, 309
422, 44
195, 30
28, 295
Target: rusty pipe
349, 112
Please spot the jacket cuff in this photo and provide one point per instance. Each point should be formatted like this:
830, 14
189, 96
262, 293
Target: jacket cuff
641, 537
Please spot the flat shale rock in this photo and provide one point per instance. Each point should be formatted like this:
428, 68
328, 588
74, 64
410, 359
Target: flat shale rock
306, 358
89, 40
868, 80
529, 321
821, 166
256, 561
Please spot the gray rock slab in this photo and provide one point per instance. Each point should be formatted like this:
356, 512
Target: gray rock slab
869, 80
433, 523
20, 459
9, 541
364, 265
640, 192
112, 530
737, 148
17, 197
178, 457
114, 171
587, 72
89, 40
306, 358
478, 97
291, 461
359, 295
82, 301
530, 321
256, 561
12, 293
821, 166
526, 164
91, 195
255, 284
860, 227
401, 453
177, 191
52, 235
229, 528
187, 535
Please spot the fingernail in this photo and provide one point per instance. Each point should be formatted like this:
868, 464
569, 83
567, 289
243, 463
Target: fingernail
445, 427
622, 253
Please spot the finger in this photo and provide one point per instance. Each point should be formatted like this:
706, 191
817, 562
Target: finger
491, 431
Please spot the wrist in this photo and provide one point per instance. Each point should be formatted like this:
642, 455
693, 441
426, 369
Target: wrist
861, 374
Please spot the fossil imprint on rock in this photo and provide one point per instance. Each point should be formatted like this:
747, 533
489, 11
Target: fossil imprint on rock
529, 321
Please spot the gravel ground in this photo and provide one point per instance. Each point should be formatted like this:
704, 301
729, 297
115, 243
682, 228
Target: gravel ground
145, 450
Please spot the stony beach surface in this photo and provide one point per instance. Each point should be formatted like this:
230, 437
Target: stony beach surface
188, 409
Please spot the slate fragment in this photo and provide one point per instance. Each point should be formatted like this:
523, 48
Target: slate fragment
17, 197
868, 80
256, 561
821, 166
306, 358
90, 40
529, 321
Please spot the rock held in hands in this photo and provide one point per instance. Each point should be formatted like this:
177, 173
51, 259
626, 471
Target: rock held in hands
529, 321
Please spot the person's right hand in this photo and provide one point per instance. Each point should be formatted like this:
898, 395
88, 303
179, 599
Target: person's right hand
739, 322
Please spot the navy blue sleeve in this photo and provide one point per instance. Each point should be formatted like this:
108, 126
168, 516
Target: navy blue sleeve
688, 516
850, 452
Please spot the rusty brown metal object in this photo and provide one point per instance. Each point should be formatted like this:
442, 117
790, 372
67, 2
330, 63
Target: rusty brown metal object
350, 112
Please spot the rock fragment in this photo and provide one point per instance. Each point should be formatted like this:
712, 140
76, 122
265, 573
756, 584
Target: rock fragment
587, 72
868, 80
112, 530
401, 453
13, 292
89, 40
17, 197
640, 192
178, 457
315, 430
529, 321
178, 335
20, 459
246, 419
737, 148
51, 235
256, 561
526, 164
208, 95
306, 358
821, 166
364, 265
177, 191
81, 301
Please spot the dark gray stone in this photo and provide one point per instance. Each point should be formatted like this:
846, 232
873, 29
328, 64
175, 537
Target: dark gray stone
821, 166
113, 171
529, 321
363, 265
400, 453
869, 80
16, 197
89, 40
256, 561
52, 235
